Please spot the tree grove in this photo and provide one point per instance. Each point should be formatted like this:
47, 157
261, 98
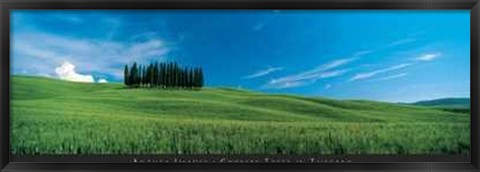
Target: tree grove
163, 75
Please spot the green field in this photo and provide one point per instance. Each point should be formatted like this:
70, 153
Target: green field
57, 117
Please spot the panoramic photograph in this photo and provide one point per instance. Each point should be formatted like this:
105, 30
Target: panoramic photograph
240, 82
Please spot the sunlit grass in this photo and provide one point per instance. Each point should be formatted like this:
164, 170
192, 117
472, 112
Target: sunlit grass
56, 117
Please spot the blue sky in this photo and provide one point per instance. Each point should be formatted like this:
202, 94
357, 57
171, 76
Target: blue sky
395, 56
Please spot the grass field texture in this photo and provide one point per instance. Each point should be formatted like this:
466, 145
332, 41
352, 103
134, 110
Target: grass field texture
58, 117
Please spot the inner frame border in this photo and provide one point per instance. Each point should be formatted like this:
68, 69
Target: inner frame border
472, 5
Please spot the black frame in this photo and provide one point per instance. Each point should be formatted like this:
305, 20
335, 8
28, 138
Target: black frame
7, 162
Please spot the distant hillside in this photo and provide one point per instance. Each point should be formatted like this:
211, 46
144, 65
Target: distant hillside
460, 103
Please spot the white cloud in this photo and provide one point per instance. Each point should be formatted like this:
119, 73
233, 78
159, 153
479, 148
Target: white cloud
401, 75
362, 76
109, 57
264, 72
428, 57
102, 81
67, 72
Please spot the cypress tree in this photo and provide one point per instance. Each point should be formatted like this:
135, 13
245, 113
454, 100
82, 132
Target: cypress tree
140, 76
144, 76
161, 76
175, 75
126, 76
154, 74
150, 74
140, 70
167, 75
184, 77
172, 74
133, 74
137, 75
179, 76
194, 77
200, 79
164, 75
190, 78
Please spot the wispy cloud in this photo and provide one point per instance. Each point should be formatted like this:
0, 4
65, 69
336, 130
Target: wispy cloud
320, 72
366, 75
401, 42
114, 25
303, 78
361, 53
263, 72
286, 84
401, 75
144, 36
334, 64
428, 57
258, 26
326, 70
328, 86
71, 18
424, 57
310, 76
389, 45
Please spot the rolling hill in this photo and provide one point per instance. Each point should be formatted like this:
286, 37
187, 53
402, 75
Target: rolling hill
57, 117
461, 103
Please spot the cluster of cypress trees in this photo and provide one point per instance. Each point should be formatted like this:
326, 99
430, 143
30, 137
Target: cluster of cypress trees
163, 75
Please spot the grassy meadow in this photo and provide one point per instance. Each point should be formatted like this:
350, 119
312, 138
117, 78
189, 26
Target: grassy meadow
58, 117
